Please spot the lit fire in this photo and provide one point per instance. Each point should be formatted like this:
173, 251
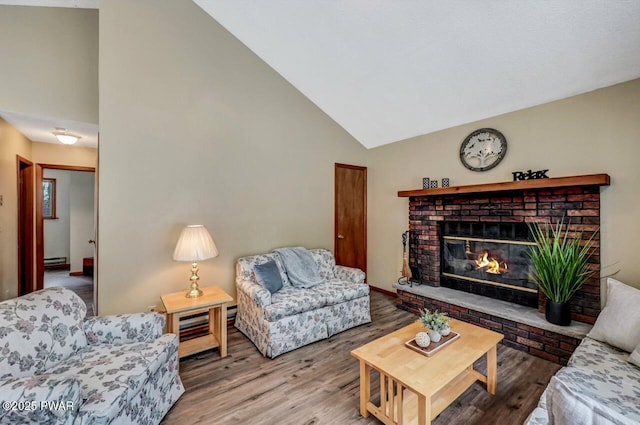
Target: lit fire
491, 265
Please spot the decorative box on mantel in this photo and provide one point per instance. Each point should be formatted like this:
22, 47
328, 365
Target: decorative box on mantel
450, 225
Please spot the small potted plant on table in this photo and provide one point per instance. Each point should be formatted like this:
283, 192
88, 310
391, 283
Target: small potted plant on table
560, 262
437, 324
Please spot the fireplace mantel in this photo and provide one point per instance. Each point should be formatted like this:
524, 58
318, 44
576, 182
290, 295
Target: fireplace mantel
574, 181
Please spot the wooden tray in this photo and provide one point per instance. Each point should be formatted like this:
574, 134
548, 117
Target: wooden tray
434, 347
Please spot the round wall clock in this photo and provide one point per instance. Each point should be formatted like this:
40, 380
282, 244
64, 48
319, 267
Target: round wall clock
483, 149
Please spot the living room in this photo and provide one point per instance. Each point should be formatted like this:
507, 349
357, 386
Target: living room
196, 128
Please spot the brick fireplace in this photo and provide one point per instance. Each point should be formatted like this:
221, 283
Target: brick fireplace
494, 217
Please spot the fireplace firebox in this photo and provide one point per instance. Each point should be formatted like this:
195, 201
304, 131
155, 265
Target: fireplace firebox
489, 259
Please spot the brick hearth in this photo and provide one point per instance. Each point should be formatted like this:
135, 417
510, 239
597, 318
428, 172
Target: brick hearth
544, 343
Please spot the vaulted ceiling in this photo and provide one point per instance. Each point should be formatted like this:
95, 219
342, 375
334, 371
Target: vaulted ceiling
388, 70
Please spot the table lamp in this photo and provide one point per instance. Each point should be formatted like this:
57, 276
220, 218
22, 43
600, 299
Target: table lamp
195, 244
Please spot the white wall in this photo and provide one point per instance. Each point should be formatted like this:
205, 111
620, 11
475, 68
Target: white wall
56, 231
12, 143
195, 128
49, 59
598, 132
81, 215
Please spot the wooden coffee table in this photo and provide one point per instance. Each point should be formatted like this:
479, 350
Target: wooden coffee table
433, 383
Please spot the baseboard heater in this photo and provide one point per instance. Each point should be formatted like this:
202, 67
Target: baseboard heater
56, 263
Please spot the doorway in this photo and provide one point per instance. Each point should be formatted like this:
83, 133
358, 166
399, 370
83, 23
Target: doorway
350, 238
25, 226
65, 229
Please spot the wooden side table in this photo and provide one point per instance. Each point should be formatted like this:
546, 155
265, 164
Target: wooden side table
214, 301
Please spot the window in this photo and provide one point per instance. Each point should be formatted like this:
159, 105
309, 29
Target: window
49, 198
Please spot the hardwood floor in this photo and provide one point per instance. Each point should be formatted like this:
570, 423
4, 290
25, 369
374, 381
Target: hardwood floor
319, 383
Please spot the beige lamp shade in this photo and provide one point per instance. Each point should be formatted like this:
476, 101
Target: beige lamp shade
195, 244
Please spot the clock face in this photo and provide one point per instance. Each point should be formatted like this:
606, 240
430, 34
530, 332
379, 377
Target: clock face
483, 149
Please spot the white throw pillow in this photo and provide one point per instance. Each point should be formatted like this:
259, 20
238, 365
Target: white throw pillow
635, 356
619, 322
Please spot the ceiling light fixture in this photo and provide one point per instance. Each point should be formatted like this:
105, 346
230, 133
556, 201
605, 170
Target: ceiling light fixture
63, 135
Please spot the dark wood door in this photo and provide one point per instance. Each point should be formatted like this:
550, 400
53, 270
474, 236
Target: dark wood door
351, 216
25, 226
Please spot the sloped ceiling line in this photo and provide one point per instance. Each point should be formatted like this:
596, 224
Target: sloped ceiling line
387, 70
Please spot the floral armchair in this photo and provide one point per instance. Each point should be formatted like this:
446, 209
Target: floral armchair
56, 367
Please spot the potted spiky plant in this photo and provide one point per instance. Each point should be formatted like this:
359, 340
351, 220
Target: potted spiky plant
560, 262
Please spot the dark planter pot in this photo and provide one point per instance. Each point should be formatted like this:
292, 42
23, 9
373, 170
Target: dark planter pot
558, 313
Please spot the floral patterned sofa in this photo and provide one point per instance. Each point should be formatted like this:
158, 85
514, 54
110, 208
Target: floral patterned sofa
293, 317
599, 386
98, 370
